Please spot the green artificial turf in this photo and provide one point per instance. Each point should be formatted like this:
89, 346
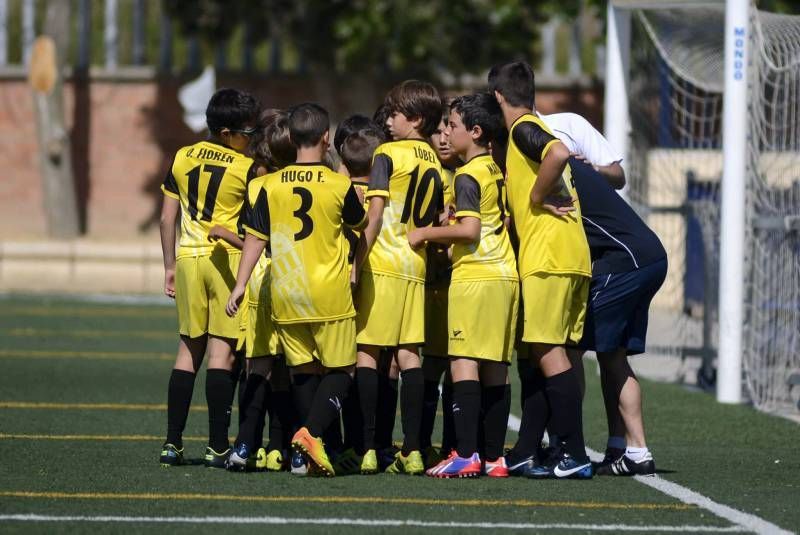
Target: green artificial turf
64, 353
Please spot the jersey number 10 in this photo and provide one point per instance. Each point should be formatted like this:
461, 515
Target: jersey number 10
415, 197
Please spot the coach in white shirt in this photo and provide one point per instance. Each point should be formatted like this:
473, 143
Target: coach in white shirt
587, 144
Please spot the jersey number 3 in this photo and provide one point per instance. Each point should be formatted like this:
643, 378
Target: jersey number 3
216, 173
302, 213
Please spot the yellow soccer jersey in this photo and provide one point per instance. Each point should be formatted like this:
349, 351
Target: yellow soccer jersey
548, 243
351, 234
448, 193
480, 192
301, 210
210, 181
260, 273
407, 173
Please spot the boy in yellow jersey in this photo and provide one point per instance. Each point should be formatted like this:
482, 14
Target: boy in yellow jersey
301, 210
484, 279
356, 150
437, 280
405, 189
262, 347
555, 270
206, 185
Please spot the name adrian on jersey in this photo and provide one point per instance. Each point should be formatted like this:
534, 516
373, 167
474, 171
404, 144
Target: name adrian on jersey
210, 154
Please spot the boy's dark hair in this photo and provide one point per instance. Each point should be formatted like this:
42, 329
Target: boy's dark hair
259, 148
379, 118
350, 126
417, 100
515, 81
357, 151
275, 149
308, 122
480, 109
231, 108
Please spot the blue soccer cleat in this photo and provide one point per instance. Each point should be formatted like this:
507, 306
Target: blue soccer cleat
455, 466
562, 466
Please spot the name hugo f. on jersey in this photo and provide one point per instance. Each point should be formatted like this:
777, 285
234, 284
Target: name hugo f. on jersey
547, 243
480, 193
406, 173
210, 181
301, 210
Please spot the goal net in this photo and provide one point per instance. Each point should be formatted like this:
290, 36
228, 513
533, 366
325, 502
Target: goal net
675, 168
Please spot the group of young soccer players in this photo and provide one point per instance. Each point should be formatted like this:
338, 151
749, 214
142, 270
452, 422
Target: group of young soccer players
444, 242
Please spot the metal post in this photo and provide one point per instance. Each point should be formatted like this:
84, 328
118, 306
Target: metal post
616, 119
111, 35
732, 216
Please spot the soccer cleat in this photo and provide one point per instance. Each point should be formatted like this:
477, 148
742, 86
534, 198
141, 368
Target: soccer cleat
260, 463
298, 465
455, 466
314, 450
239, 459
496, 468
611, 455
273, 461
563, 466
410, 464
432, 457
625, 466
369, 463
170, 455
215, 459
518, 468
386, 457
347, 463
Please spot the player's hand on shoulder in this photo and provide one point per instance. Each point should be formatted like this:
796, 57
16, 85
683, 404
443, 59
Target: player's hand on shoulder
415, 239
558, 205
169, 283
234, 301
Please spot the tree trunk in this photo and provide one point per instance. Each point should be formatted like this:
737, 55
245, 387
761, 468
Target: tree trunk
60, 200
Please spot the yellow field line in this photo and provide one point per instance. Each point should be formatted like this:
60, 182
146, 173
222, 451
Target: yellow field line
92, 311
340, 499
28, 332
100, 355
123, 438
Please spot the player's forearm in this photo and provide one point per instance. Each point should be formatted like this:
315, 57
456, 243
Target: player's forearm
461, 232
549, 175
252, 250
169, 214
614, 174
231, 238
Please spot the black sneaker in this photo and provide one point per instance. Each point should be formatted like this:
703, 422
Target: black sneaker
625, 466
214, 459
170, 455
562, 466
603, 468
519, 467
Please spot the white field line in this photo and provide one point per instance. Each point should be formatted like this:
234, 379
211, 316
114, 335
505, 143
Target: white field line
740, 519
278, 520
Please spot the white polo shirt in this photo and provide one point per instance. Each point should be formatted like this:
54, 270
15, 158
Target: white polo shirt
581, 137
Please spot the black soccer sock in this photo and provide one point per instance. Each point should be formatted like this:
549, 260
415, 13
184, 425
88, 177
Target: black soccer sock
304, 386
496, 404
281, 411
328, 401
430, 402
219, 395
386, 411
241, 388
526, 372
256, 400
179, 399
367, 383
352, 421
332, 435
535, 413
411, 395
564, 396
448, 425
466, 412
